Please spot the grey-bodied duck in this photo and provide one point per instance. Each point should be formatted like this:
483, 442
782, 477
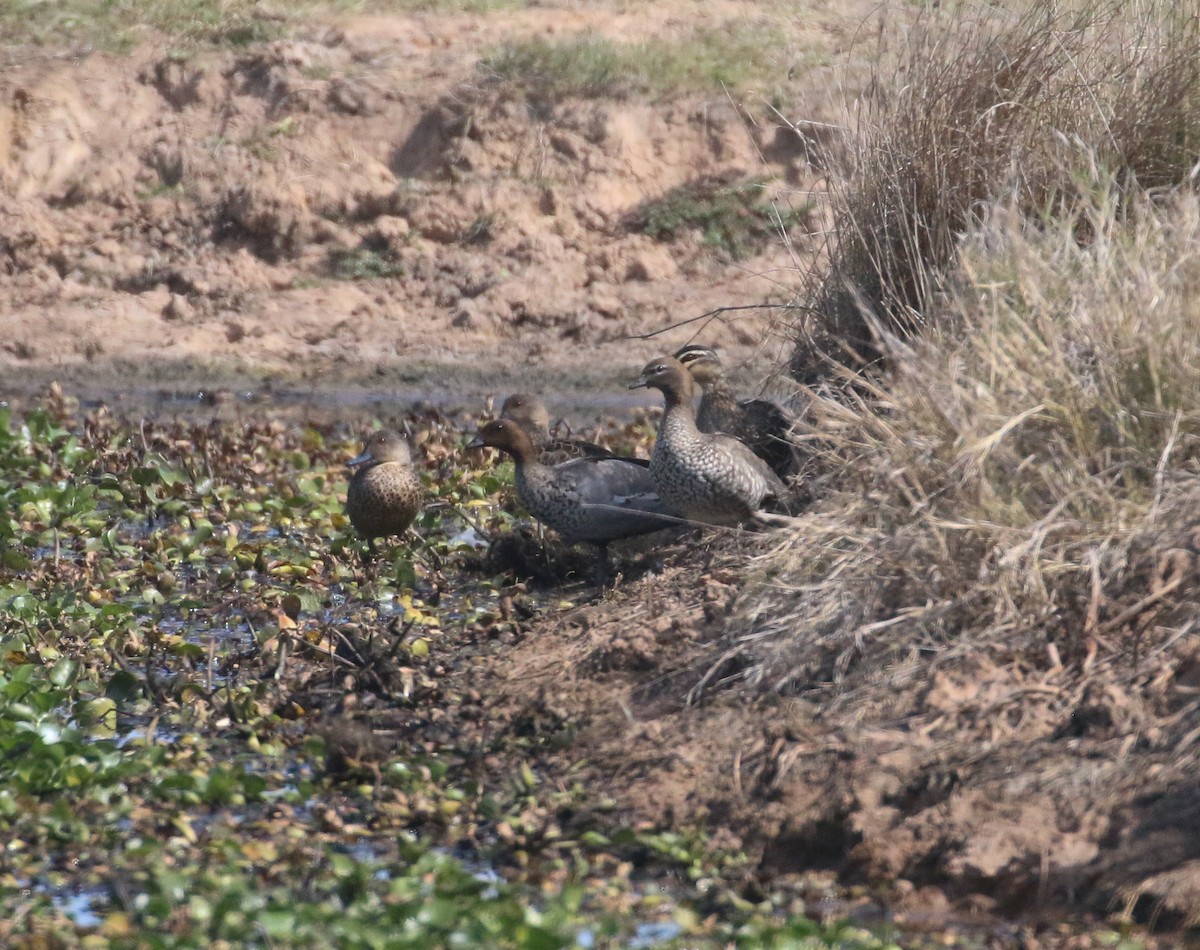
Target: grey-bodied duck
531, 414
707, 477
763, 425
385, 493
597, 500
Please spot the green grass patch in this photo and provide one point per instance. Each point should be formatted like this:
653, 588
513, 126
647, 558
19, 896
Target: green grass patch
592, 66
117, 25
425, 6
734, 218
366, 262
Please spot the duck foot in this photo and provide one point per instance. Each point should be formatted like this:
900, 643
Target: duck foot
771, 519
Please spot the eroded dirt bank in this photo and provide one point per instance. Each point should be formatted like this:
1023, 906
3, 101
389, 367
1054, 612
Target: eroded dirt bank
365, 206
1012, 802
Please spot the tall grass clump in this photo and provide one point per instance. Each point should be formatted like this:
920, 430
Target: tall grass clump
1023, 488
975, 105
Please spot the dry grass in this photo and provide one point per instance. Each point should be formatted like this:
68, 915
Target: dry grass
1013, 480
1000, 576
1028, 491
977, 105
990, 610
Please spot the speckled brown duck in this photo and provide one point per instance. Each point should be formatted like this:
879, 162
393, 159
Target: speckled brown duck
763, 425
597, 500
531, 414
385, 493
708, 477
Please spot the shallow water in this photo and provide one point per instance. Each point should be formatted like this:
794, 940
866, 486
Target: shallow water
334, 402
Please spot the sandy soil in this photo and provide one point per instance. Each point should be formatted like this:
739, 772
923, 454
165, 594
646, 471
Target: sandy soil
171, 221
168, 226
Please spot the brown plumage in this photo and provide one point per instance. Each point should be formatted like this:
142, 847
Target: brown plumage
708, 477
531, 414
763, 425
596, 500
385, 493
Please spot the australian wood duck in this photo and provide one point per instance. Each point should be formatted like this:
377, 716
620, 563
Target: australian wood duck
707, 477
531, 414
763, 425
596, 500
385, 493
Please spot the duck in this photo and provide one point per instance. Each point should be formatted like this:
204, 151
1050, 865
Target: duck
531, 414
591, 499
712, 478
385, 493
763, 425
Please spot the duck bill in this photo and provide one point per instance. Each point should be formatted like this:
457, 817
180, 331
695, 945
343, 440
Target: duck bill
477, 443
640, 384
360, 460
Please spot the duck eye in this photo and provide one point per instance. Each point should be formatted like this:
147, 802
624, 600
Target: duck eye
660, 368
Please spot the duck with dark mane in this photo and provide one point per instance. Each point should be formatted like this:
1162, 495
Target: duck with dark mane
591, 499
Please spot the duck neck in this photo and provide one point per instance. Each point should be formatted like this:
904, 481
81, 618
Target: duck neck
717, 392
538, 436
678, 415
525, 461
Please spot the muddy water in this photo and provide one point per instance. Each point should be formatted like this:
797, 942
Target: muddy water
328, 404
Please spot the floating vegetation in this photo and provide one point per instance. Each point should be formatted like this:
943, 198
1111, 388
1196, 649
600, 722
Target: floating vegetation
217, 723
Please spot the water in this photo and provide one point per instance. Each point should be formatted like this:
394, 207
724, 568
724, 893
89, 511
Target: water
350, 401
84, 908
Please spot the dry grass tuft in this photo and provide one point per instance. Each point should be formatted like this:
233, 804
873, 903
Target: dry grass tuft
1027, 492
992, 607
979, 105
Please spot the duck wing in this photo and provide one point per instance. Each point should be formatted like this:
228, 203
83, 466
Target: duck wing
555, 452
768, 427
768, 416
756, 468
601, 480
616, 495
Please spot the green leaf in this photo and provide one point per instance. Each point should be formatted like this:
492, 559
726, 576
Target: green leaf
278, 924
64, 673
144, 475
98, 715
14, 560
122, 687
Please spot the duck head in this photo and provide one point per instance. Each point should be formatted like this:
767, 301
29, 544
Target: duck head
383, 446
507, 436
528, 411
667, 374
701, 361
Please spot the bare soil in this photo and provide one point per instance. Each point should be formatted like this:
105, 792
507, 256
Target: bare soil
177, 218
171, 223
1011, 808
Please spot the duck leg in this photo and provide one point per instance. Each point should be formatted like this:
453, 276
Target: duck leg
370, 563
601, 569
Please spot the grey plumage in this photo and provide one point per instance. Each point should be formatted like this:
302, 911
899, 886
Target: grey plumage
596, 500
531, 414
708, 477
763, 425
385, 493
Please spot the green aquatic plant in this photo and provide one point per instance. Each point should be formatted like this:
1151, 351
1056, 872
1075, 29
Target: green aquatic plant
186, 632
